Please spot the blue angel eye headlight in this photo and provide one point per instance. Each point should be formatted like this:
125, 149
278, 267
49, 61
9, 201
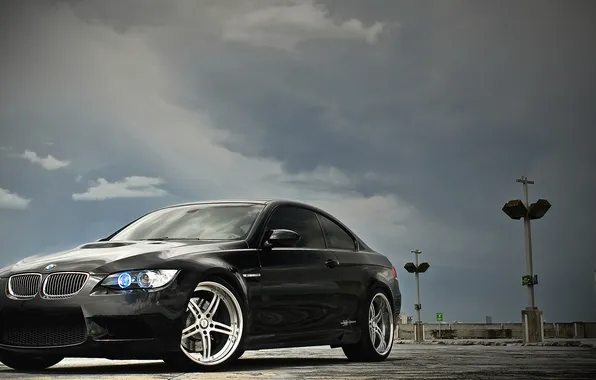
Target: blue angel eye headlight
140, 279
124, 280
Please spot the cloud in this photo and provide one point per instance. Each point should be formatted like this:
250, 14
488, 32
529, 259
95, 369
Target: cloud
78, 178
129, 187
12, 201
285, 25
48, 163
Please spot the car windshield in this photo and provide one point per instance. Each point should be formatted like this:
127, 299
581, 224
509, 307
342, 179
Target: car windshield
196, 222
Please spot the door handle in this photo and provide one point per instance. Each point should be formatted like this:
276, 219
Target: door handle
331, 263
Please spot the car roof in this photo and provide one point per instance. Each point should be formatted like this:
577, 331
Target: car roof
221, 201
262, 201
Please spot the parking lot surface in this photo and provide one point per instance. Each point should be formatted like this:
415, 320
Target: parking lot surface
405, 362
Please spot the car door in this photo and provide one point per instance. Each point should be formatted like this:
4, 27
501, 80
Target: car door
298, 283
350, 272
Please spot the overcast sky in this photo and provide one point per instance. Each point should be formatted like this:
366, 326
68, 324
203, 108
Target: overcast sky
410, 121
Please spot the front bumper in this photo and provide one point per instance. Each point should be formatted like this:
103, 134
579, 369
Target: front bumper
134, 325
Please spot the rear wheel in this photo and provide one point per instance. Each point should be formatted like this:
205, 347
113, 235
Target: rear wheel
213, 331
376, 340
28, 362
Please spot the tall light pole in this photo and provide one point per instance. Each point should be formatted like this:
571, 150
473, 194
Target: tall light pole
417, 275
417, 269
532, 320
528, 241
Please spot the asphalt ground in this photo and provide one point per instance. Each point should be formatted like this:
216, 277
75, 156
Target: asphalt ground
407, 361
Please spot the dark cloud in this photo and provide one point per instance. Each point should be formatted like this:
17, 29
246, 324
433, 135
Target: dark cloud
460, 103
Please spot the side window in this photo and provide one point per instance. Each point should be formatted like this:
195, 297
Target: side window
302, 221
336, 236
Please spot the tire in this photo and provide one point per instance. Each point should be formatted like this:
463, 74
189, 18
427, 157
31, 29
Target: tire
203, 331
367, 349
28, 362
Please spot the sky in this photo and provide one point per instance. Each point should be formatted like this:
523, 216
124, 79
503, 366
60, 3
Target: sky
409, 121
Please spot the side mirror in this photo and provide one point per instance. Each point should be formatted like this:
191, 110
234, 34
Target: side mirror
282, 238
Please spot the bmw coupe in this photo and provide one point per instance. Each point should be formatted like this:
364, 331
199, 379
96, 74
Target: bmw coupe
195, 285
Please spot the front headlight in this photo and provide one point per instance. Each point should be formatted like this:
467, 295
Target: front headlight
140, 279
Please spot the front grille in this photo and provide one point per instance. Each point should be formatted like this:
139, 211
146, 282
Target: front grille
34, 331
62, 285
24, 285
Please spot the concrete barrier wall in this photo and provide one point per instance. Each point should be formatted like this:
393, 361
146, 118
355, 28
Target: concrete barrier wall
570, 330
590, 330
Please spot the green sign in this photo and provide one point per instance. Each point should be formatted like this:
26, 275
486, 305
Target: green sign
439, 317
527, 280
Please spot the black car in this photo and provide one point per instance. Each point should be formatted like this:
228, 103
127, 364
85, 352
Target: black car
197, 284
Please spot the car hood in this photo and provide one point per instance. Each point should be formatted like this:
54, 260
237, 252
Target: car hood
107, 257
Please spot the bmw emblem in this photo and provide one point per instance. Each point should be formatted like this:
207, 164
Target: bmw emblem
50, 267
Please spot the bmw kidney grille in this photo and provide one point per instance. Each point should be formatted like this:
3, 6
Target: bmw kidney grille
24, 285
55, 285
63, 285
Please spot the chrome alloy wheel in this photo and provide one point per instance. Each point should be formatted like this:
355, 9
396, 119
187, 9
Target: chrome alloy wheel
380, 324
213, 328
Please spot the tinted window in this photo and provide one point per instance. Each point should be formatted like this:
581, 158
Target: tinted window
336, 236
302, 221
204, 222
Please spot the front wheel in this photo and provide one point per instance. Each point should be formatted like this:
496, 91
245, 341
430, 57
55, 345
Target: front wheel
376, 340
213, 330
28, 362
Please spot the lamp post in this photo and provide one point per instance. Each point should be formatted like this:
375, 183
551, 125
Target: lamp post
417, 269
517, 209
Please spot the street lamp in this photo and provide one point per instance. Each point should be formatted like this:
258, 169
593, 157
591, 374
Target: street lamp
595, 282
517, 209
417, 269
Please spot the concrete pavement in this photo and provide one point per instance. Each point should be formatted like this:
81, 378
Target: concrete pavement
405, 362
584, 343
